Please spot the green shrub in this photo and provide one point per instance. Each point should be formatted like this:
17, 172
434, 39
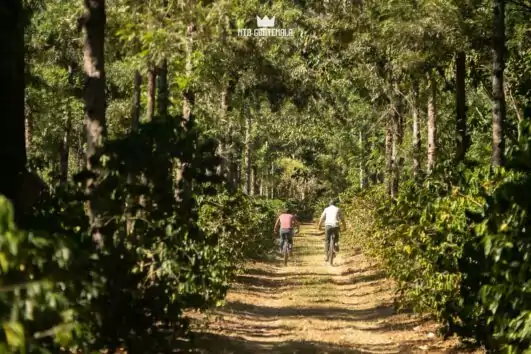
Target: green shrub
497, 261
159, 257
458, 246
419, 239
245, 224
34, 306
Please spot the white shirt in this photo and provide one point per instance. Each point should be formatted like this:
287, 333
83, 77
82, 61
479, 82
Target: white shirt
331, 215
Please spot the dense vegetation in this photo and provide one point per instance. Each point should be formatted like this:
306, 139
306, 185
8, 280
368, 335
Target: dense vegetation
147, 148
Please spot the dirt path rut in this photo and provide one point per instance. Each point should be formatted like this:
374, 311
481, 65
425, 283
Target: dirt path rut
311, 307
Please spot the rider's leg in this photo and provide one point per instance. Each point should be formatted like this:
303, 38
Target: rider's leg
283, 233
337, 239
290, 241
326, 241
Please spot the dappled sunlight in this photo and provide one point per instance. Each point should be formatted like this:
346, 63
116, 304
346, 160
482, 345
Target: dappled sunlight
310, 307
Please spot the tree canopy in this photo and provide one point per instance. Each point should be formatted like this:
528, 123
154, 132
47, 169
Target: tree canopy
147, 149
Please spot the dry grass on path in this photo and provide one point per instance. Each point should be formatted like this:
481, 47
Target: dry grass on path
311, 307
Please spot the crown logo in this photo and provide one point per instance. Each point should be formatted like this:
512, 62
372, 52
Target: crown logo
265, 22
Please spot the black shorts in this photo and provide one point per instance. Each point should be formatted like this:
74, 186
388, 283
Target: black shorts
286, 234
332, 230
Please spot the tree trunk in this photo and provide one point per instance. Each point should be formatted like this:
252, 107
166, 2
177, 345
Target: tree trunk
151, 92
135, 122
80, 153
399, 120
12, 124
66, 143
252, 184
238, 169
188, 95
256, 181
65, 151
162, 72
432, 124
272, 182
94, 69
389, 152
28, 127
460, 102
247, 152
162, 92
231, 160
188, 102
223, 141
396, 140
416, 130
498, 94
135, 109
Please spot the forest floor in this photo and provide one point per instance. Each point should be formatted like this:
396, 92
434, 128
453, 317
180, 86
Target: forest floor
311, 307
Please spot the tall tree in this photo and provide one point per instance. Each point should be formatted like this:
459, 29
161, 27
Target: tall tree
94, 22
416, 128
12, 123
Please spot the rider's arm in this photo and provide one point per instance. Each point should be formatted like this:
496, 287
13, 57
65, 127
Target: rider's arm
277, 224
321, 220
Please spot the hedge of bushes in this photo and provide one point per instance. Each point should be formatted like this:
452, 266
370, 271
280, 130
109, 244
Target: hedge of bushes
458, 245
159, 257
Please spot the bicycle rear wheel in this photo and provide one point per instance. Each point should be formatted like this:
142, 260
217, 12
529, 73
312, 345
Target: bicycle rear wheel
285, 251
331, 250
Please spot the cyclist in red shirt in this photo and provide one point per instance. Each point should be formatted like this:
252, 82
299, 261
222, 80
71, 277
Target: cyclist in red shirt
287, 222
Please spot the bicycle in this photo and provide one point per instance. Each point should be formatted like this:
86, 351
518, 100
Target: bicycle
332, 249
286, 248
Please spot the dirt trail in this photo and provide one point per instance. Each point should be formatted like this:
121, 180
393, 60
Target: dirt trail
311, 307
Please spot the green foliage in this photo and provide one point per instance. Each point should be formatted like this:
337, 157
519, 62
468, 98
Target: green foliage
59, 289
245, 225
419, 240
458, 249
497, 272
455, 242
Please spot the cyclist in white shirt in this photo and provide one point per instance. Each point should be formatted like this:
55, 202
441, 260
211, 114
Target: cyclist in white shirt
331, 217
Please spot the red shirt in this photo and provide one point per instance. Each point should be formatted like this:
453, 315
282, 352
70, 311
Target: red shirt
286, 221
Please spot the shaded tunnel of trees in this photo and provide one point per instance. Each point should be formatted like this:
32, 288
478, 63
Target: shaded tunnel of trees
147, 149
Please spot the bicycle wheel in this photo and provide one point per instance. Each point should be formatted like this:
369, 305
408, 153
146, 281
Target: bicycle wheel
331, 250
285, 251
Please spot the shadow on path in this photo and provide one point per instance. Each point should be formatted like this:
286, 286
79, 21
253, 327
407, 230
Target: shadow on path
317, 313
237, 345
308, 307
